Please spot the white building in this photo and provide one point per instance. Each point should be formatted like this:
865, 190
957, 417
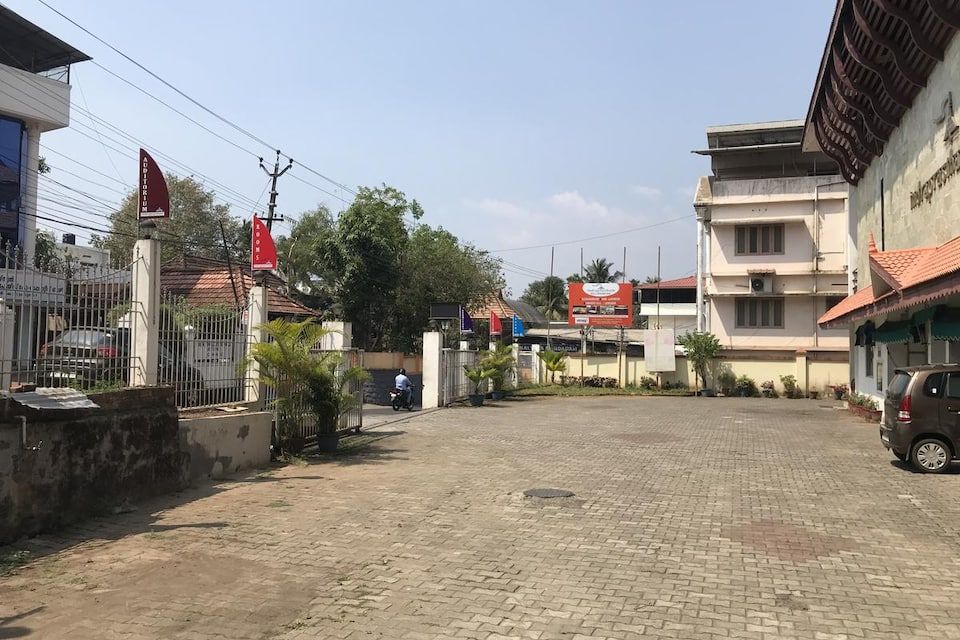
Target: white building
668, 304
773, 245
84, 257
34, 99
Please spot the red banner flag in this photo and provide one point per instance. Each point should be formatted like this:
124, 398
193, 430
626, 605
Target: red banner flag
154, 197
263, 257
496, 327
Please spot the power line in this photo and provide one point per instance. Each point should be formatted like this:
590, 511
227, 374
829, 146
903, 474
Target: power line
605, 235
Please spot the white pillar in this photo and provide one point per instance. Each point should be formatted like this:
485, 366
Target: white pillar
256, 317
145, 313
7, 323
340, 337
432, 347
28, 223
515, 374
700, 274
537, 364
464, 345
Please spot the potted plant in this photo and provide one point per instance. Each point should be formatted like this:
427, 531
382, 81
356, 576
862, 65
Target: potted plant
701, 348
789, 386
477, 375
768, 389
328, 398
501, 362
745, 387
814, 394
840, 391
727, 380
290, 364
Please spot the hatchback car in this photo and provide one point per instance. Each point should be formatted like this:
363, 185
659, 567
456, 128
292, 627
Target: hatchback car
921, 417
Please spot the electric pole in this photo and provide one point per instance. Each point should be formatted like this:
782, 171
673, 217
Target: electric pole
273, 187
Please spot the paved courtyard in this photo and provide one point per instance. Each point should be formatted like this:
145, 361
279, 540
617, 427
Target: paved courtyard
693, 518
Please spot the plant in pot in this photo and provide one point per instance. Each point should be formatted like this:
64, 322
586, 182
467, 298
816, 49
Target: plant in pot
501, 362
789, 386
726, 380
768, 389
328, 398
745, 387
840, 391
701, 348
555, 362
477, 375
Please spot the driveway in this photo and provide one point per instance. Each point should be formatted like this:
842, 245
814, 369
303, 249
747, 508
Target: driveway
692, 518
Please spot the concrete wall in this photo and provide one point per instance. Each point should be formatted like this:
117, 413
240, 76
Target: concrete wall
800, 328
914, 153
218, 446
33, 98
392, 361
91, 460
814, 371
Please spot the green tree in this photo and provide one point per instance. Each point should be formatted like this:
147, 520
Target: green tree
193, 227
366, 254
574, 277
702, 347
310, 278
652, 280
549, 296
46, 255
554, 361
601, 270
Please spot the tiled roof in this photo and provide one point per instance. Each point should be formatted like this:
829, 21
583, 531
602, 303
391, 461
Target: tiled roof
203, 282
690, 282
903, 270
494, 304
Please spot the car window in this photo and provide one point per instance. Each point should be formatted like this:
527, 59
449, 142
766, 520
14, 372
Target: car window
83, 337
933, 385
898, 385
953, 386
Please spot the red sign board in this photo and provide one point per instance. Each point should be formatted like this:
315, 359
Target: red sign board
263, 256
600, 304
154, 197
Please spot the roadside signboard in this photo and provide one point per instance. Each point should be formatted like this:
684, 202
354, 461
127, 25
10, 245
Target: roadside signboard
600, 304
154, 201
659, 350
263, 257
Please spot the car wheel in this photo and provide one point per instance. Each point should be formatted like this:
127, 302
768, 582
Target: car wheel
931, 455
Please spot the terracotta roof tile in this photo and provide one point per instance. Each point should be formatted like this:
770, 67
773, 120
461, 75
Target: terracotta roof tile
213, 286
851, 303
493, 305
690, 282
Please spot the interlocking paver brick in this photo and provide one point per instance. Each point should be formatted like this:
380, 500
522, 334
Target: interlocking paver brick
693, 518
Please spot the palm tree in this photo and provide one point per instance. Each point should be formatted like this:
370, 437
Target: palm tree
554, 361
548, 296
600, 271
652, 280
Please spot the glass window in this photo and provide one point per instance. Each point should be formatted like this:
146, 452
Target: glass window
932, 386
953, 386
759, 239
11, 155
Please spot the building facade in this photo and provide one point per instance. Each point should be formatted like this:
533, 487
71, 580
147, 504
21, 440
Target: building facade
773, 243
669, 304
885, 108
34, 99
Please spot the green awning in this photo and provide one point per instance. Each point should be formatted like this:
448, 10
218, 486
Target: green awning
946, 324
894, 332
920, 318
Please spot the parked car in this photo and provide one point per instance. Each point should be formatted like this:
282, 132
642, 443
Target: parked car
87, 357
921, 417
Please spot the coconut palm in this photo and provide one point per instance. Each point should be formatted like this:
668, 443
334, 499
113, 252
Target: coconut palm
554, 361
548, 296
600, 270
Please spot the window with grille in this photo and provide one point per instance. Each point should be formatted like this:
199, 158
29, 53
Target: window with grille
759, 239
759, 313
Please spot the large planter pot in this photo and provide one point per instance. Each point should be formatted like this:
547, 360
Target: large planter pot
476, 399
838, 394
327, 442
497, 395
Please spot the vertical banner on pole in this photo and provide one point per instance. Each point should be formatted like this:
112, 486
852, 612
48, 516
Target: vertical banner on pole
263, 254
466, 322
154, 201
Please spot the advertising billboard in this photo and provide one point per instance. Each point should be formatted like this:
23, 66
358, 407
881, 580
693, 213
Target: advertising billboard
600, 304
659, 350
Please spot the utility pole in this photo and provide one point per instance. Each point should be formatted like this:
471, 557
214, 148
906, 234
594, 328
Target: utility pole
550, 309
273, 187
623, 277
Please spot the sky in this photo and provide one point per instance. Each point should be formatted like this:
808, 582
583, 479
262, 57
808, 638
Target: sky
515, 124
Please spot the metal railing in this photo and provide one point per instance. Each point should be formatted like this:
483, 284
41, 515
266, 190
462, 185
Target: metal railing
202, 352
63, 325
455, 385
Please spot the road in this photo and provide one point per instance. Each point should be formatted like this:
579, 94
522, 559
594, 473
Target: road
692, 518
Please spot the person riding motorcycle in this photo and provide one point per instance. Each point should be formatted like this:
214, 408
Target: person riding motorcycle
402, 382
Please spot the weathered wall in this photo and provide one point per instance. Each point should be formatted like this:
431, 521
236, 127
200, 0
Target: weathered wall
91, 459
915, 152
392, 361
217, 446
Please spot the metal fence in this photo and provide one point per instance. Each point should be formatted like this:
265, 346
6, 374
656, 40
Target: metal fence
202, 352
63, 324
455, 385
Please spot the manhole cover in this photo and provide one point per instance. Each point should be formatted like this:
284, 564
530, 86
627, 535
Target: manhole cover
548, 493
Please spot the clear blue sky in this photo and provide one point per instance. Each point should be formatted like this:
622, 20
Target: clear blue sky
513, 123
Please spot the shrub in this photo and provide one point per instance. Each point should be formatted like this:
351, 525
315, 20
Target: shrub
789, 386
648, 383
865, 402
769, 389
745, 386
727, 381
701, 348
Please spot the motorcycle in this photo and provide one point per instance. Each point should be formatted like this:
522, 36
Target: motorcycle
400, 400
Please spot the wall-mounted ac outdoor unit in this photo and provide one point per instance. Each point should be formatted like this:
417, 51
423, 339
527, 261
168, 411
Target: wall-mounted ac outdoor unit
761, 284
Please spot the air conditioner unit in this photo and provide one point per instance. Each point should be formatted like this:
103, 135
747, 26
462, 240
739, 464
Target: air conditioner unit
761, 284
